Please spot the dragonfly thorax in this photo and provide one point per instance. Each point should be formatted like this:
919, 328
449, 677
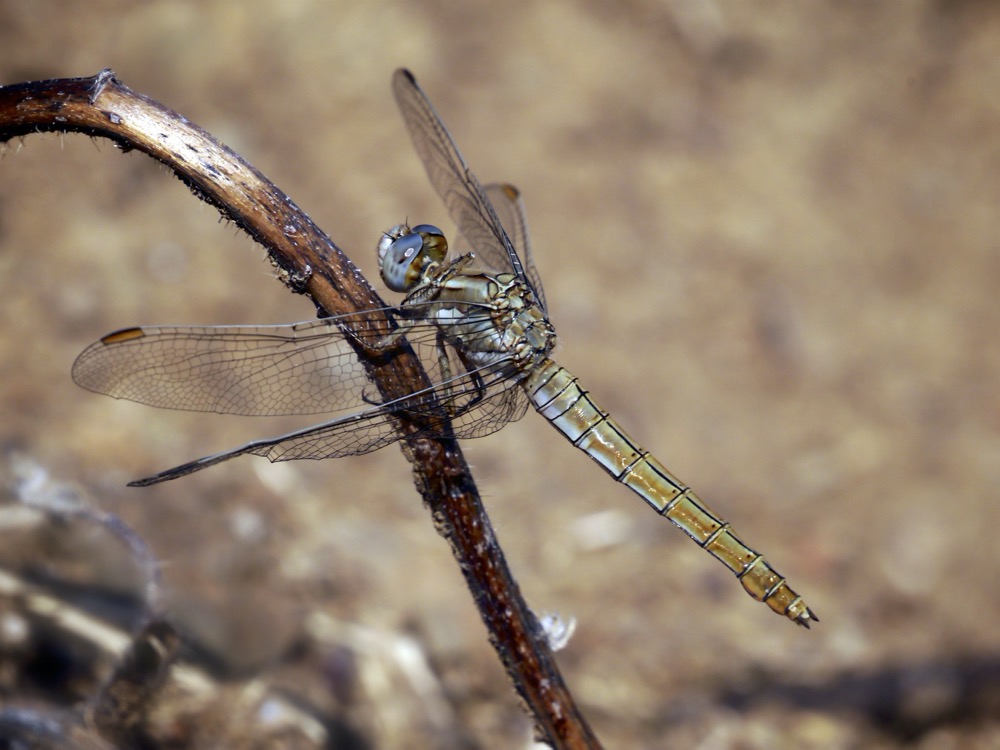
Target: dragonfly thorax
407, 255
524, 332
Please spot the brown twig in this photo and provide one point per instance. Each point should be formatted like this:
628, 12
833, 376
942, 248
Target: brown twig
309, 263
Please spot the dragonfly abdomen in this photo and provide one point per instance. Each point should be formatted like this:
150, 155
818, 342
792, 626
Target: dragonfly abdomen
558, 396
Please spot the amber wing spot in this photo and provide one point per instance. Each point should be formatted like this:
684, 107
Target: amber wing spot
126, 334
511, 192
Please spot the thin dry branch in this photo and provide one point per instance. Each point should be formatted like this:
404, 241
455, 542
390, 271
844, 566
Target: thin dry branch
309, 263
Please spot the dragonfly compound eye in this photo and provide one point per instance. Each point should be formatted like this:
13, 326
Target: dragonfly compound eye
406, 254
435, 245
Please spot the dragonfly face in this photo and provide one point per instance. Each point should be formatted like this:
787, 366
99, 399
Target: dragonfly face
408, 255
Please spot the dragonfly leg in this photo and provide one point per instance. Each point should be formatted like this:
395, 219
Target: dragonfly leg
477, 382
424, 293
376, 347
453, 269
448, 397
444, 364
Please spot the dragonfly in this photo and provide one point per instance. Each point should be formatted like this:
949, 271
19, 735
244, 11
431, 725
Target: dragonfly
478, 321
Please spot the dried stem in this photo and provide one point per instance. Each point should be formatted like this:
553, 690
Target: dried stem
309, 263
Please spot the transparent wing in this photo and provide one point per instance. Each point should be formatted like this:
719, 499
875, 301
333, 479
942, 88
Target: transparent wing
484, 406
509, 206
302, 368
480, 408
465, 198
305, 368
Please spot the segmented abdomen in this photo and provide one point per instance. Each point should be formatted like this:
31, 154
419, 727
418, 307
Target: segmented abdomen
557, 395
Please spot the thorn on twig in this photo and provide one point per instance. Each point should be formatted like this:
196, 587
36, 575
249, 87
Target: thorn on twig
101, 80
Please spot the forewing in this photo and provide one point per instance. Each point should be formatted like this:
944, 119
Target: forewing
467, 203
506, 200
306, 368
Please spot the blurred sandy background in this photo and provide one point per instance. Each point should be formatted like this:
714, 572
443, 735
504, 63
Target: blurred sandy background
770, 241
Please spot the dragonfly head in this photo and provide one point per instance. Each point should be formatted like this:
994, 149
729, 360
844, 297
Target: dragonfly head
406, 254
